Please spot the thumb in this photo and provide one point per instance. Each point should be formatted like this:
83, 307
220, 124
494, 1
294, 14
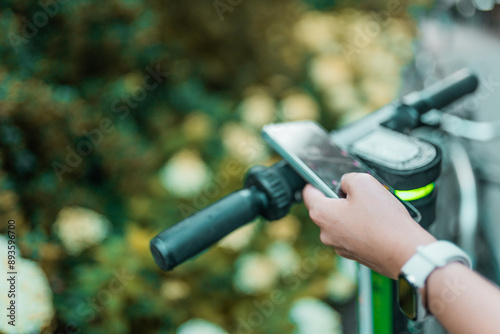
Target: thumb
321, 208
346, 182
351, 182
312, 196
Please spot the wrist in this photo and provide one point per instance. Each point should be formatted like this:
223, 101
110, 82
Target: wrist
416, 275
408, 247
435, 279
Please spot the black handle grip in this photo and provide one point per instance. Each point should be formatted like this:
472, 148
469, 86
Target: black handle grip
201, 230
443, 92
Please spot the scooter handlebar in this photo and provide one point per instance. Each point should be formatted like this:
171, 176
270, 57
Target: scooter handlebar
204, 228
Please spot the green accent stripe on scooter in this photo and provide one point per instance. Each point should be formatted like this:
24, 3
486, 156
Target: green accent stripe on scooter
414, 194
382, 304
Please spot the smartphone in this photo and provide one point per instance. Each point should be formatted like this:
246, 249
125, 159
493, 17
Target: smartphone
309, 150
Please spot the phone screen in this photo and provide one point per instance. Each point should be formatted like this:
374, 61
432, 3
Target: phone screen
311, 144
310, 151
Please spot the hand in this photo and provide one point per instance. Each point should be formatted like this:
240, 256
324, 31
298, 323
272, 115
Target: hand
370, 225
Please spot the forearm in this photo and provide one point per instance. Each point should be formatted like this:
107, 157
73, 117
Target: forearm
373, 228
463, 301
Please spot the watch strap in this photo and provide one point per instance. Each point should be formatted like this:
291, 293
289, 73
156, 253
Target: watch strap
432, 256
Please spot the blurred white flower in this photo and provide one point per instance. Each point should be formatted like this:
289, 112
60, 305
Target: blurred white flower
348, 268
342, 98
328, 71
311, 315
243, 144
238, 239
34, 309
378, 92
284, 256
175, 289
298, 107
258, 109
199, 326
317, 32
185, 174
379, 63
340, 288
80, 228
255, 273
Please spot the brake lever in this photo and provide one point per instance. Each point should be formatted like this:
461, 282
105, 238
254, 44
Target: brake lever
463, 128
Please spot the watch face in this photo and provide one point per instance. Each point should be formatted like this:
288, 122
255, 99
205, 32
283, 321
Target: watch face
407, 297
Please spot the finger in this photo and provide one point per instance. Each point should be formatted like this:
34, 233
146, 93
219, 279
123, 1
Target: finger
312, 196
352, 182
320, 207
346, 182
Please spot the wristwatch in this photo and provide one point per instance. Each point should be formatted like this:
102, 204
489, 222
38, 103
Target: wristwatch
416, 270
